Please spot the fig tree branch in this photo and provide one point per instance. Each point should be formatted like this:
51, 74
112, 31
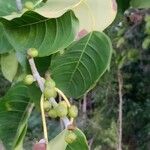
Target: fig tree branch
40, 82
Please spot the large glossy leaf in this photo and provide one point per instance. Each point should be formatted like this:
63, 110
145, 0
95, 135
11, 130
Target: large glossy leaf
58, 143
140, 3
14, 112
92, 15
47, 35
9, 65
96, 15
82, 64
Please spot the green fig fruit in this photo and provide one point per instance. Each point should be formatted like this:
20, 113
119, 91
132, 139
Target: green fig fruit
52, 113
50, 83
32, 52
29, 79
47, 105
63, 103
73, 111
29, 5
50, 92
70, 137
61, 110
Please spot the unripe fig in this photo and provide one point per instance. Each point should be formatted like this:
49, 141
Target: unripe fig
50, 83
52, 113
29, 5
63, 103
70, 137
73, 111
47, 105
29, 79
50, 92
32, 52
61, 110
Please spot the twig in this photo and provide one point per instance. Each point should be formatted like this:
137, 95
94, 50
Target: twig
19, 4
41, 85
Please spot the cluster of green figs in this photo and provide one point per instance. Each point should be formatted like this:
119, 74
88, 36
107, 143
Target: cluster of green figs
61, 109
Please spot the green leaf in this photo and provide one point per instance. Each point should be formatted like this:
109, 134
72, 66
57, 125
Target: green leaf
42, 64
58, 143
5, 46
9, 65
15, 110
80, 143
82, 64
35, 98
47, 35
92, 15
123, 4
19, 145
140, 3
7, 7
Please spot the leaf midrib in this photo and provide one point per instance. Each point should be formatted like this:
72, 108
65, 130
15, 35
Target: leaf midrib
80, 58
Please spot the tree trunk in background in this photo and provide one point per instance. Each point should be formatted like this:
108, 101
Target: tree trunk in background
84, 106
120, 84
1, 146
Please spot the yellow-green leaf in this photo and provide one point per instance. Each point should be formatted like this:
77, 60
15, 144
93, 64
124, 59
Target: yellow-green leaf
96, 15
58, 143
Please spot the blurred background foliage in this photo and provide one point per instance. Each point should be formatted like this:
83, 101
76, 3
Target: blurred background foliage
98, 117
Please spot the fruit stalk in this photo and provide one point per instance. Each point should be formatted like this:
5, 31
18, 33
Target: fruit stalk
43, 119
63, 96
